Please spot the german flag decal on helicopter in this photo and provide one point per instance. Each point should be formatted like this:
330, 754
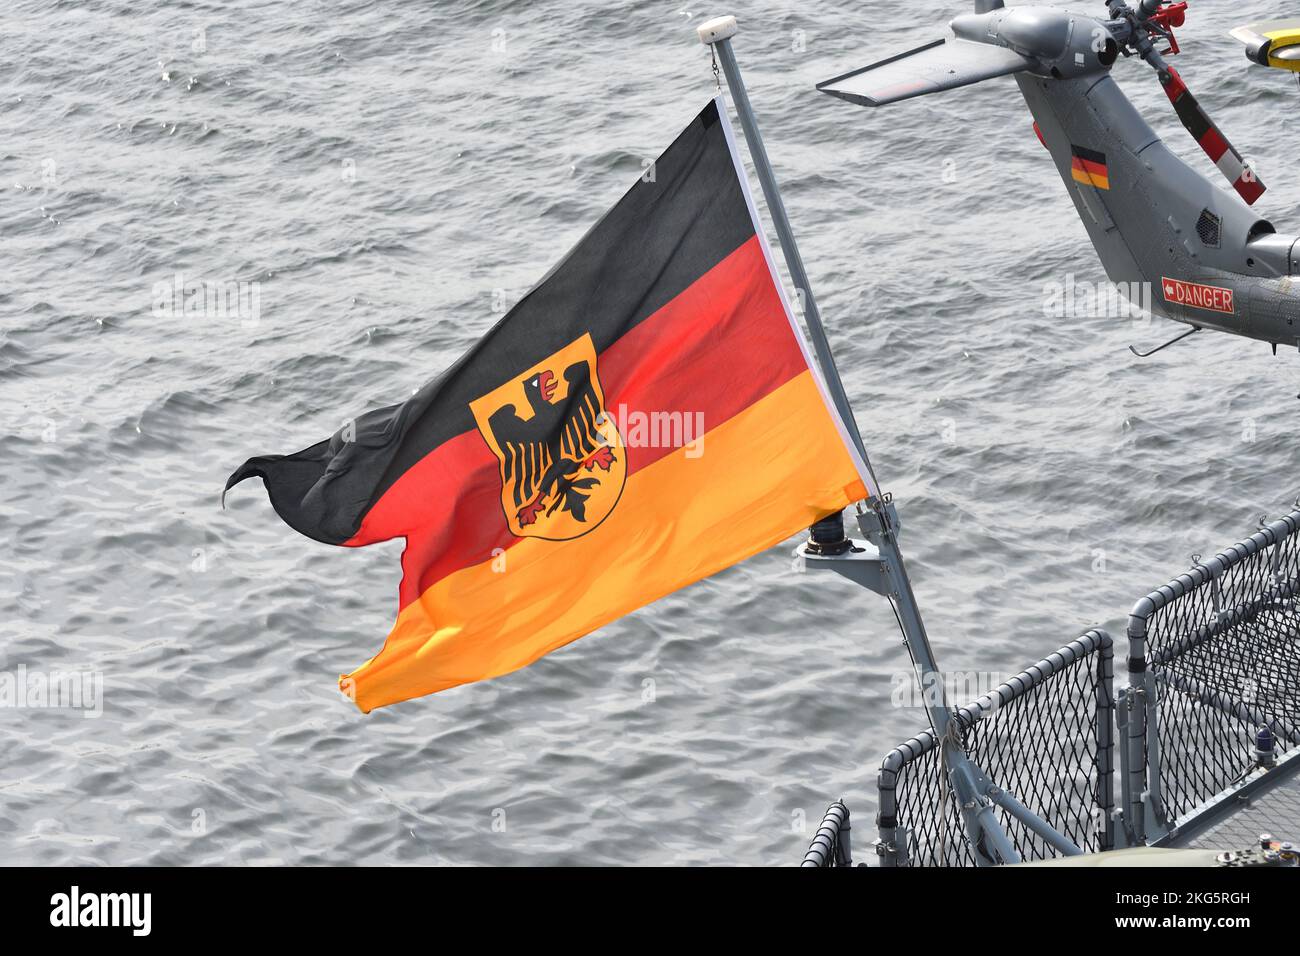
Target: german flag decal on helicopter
1089, 167
646, 416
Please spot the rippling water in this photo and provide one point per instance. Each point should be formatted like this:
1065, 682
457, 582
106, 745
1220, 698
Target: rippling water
390, 174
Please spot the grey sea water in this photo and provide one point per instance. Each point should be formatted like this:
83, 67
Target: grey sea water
389, 176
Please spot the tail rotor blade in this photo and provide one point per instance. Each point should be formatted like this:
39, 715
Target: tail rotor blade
1210, 138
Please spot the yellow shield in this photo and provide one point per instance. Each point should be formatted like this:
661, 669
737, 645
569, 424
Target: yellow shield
562, 460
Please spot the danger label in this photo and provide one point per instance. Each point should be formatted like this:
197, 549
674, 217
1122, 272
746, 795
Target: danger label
1211, 298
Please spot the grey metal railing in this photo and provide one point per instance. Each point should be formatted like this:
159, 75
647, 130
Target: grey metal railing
1214, 656
1045, 739
830, 847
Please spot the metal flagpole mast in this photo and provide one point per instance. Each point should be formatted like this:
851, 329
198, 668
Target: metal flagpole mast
887, 574
718, 33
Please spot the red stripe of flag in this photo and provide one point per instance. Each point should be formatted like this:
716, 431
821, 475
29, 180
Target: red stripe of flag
1094, 169
681, 359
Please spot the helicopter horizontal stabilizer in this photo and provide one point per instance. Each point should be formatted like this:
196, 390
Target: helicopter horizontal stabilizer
941, 65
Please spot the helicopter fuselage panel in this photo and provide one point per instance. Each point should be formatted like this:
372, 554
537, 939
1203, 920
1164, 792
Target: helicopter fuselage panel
1207, 258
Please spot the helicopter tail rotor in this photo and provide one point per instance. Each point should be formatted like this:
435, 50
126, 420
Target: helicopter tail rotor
1210, 137
1156, 19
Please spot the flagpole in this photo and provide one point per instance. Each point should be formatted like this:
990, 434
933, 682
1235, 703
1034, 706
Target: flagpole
718, 36
717, 33
880, 525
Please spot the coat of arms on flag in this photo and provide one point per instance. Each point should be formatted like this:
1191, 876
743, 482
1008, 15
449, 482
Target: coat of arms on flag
510, 464
562, 460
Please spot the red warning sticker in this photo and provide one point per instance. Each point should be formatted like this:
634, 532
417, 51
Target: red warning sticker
1211, 298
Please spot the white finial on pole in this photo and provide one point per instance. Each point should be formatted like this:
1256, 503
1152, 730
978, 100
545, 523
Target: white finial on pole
719, 28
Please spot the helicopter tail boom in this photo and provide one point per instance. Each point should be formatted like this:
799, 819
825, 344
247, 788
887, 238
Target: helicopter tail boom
1206, 257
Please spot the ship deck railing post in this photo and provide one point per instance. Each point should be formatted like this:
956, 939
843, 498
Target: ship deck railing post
1154, 825
891, 841
1123, 707
1105, 740
1143, 809
879, 521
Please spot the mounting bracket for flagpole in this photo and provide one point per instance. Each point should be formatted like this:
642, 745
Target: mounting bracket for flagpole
876, 563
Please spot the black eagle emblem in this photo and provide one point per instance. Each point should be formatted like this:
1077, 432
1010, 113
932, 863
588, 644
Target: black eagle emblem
553, 459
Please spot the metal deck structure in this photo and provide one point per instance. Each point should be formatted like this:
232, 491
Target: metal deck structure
1200, 751
1240, 815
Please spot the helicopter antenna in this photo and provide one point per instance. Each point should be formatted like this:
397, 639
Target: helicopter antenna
1160, 348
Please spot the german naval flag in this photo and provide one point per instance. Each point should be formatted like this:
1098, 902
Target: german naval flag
646, 416
1089, 167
